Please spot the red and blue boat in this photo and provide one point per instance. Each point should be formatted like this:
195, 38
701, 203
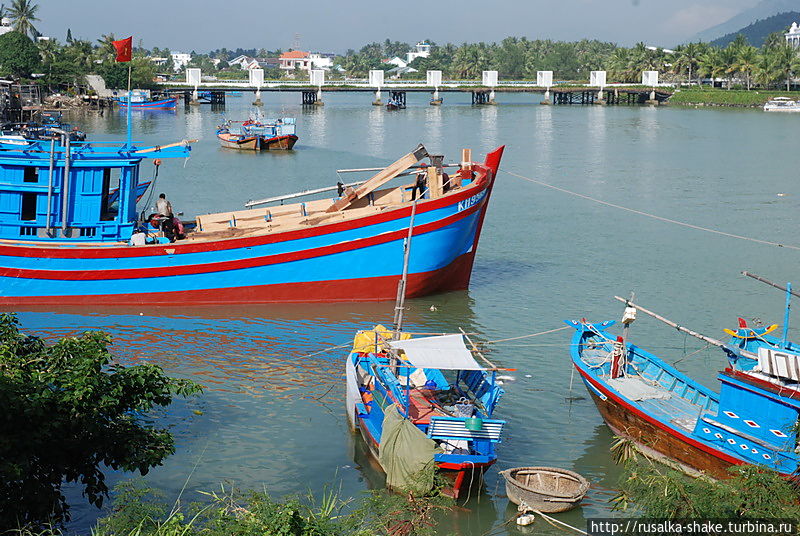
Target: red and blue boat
675, 419
61, 245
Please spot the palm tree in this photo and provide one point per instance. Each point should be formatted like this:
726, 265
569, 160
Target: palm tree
746, 63
711, 65
688, 58
785, 62
23, 15
105, 48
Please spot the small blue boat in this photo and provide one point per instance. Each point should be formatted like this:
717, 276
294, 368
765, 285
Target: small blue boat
675, 419
140, 100
423, 400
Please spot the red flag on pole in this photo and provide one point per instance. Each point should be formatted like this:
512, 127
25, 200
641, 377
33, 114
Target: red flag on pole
124, 49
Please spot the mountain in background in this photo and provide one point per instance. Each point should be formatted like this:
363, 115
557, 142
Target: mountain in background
763, 10
757, 32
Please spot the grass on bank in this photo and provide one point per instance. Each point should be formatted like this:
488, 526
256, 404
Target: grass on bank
727, 97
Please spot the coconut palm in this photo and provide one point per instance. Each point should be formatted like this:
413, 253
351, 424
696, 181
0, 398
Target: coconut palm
711, 65
746, 63
23, 14
688, 58
785, 61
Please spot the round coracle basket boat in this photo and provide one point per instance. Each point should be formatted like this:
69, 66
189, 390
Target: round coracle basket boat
546, 489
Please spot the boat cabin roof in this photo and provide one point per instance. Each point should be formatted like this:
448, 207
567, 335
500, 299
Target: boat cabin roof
444, 352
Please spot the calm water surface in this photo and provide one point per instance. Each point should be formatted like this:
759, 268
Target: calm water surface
273, 416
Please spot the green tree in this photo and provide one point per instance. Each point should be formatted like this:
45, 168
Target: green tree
67, 409
746, 63
23, 15
687, 59
785, 62
19, 56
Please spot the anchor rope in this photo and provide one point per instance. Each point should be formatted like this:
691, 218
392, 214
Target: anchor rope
653, 216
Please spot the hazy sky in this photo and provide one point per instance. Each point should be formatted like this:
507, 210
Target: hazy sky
335, 26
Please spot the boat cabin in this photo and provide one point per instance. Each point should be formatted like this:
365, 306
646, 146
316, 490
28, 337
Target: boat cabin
54, 190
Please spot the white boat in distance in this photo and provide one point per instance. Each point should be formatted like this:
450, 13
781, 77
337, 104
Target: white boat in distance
782, 104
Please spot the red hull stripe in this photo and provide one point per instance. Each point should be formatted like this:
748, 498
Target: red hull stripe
455, 276
116, 251
146, 272
655, 422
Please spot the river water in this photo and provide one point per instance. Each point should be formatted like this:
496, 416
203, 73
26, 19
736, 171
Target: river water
273, 416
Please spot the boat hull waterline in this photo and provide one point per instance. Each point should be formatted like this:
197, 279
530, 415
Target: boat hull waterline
354, 260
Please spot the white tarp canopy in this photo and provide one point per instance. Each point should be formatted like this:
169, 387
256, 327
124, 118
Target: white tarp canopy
446, 352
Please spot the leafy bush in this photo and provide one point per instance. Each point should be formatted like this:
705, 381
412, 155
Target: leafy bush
67, 410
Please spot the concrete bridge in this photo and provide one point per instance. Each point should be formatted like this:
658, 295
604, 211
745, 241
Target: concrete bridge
483, 92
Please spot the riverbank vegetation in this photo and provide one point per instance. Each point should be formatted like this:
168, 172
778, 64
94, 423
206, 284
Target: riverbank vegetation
69, 410
651, 490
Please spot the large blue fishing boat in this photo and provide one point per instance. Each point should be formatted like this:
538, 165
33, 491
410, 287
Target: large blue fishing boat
673, 418
63, 243
423, 403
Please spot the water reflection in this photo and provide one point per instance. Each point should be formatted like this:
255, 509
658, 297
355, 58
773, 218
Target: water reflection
376, 131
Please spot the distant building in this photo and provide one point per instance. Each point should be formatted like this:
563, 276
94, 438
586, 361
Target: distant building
5, 26
421, 50
180, 60
396, 61
793, 36
244, 62
297, 59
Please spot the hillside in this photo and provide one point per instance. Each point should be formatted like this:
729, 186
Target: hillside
757, 32
763, 10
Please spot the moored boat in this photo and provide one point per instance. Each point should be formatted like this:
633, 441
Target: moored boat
674, 418
423, 403
256, 135
782, 104
140, 100
64, 247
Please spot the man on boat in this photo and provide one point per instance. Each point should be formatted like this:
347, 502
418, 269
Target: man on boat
163, 206
420, 184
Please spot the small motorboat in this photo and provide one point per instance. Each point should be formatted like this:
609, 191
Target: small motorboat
545, 489
782, 104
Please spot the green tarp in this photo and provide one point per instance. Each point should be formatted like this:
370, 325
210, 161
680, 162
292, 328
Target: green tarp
406, 454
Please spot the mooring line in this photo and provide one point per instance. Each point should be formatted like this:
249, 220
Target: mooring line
653, 216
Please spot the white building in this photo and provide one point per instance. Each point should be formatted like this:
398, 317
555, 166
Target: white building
397, 62
422, 50
320, 61
5, 26
180, 60
245, 62
793, 36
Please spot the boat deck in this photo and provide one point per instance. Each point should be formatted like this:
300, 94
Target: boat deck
420, 409
658, 401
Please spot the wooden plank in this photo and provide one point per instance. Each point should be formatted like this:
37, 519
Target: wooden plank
380, 178
434, 183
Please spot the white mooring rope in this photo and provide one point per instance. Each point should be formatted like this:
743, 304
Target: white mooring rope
647, 214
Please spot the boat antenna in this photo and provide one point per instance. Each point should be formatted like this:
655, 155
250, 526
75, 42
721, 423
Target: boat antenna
789, 294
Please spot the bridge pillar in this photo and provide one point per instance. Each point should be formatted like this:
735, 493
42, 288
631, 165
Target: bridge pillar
258, 101
546, 100
652, 101
194, 100
377, 101
436, 100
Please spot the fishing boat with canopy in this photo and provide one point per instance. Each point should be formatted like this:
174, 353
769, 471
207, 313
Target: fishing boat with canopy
422, 404
675, 419
256, 134
62, 243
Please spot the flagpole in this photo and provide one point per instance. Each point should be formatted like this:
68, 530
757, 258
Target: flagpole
130, 136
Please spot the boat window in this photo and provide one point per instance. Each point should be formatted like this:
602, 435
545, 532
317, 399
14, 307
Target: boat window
31, 174
109, 206
28, 212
